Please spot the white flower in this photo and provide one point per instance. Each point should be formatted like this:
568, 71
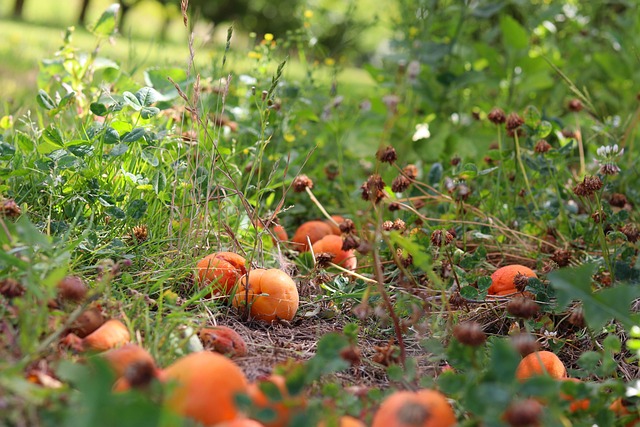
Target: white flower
422, 132
633, 389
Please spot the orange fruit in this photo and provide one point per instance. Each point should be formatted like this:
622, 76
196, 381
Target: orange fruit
335, 229
424, 408
271, 294
344, 421
333, 244
283, 407
502, 279
203, 386
311, 230
223, 269
575, 405
541, 363
622, 411
240, 422
113, 333
223, 340
122, 358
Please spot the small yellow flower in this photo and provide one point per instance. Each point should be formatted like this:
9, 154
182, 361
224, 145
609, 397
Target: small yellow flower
329, 62
289, 137
268, 37
255, 55
413, 31
308, 14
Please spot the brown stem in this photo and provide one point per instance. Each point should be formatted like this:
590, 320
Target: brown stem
387, 300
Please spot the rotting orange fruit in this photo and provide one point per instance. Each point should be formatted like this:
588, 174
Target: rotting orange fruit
123, 357
223, 340
333, 244
344, 421
271, 294
310, 231
541, 363
575, 404
203, 386
113, 333
502, 280
424, 408
622, 411
223, 269
335, 229
280, 233
284, 407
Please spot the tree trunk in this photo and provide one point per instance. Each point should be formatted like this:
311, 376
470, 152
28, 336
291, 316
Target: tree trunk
82, 18
18, 7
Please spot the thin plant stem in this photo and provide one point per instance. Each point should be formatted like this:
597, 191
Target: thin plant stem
523, 170
583, 167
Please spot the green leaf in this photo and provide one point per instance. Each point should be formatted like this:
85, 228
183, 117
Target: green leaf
531, 116
148, 96
7, 150
119, 150
148, 112
159, 182
513, 34
132, 101
148, 156
544, 129
111, 136
53, 136
98, 109
45, 101
136, 209
107, 24
469, 292
600, 307
435, 173
133, 136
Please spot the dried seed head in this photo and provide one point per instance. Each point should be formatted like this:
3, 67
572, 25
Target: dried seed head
394, 206
10, 208
405, 260
400, 184
11, 288
362, 311
618, 200
561, 257
523, 307
399, 225
469, 333
462, 191
411, 171
140, 233
577, 317
599, 216
588, 186
323, 259
609, 168
372, 189
364, 247
575, 105
350, 242
514, 121
568, 133
520, 282
387, 225
455, 160
456, 300
352, 355
331, 171
631, 231
301, 183
441, 238
387, 155
542, 147
347, 226
72, 288
525, 413
497, 116
525, 343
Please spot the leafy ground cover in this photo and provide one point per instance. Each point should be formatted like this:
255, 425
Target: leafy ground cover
481, 193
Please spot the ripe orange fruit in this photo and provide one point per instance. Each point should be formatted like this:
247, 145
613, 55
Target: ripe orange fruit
203, 386
541, 363
333, 244
575, 405
621, 410
240, 422
335, 229
345, 421
502, 279
280, 233
223, 269
271, 294
223, 340
283, 408
424, 408
113, 333
313, 230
